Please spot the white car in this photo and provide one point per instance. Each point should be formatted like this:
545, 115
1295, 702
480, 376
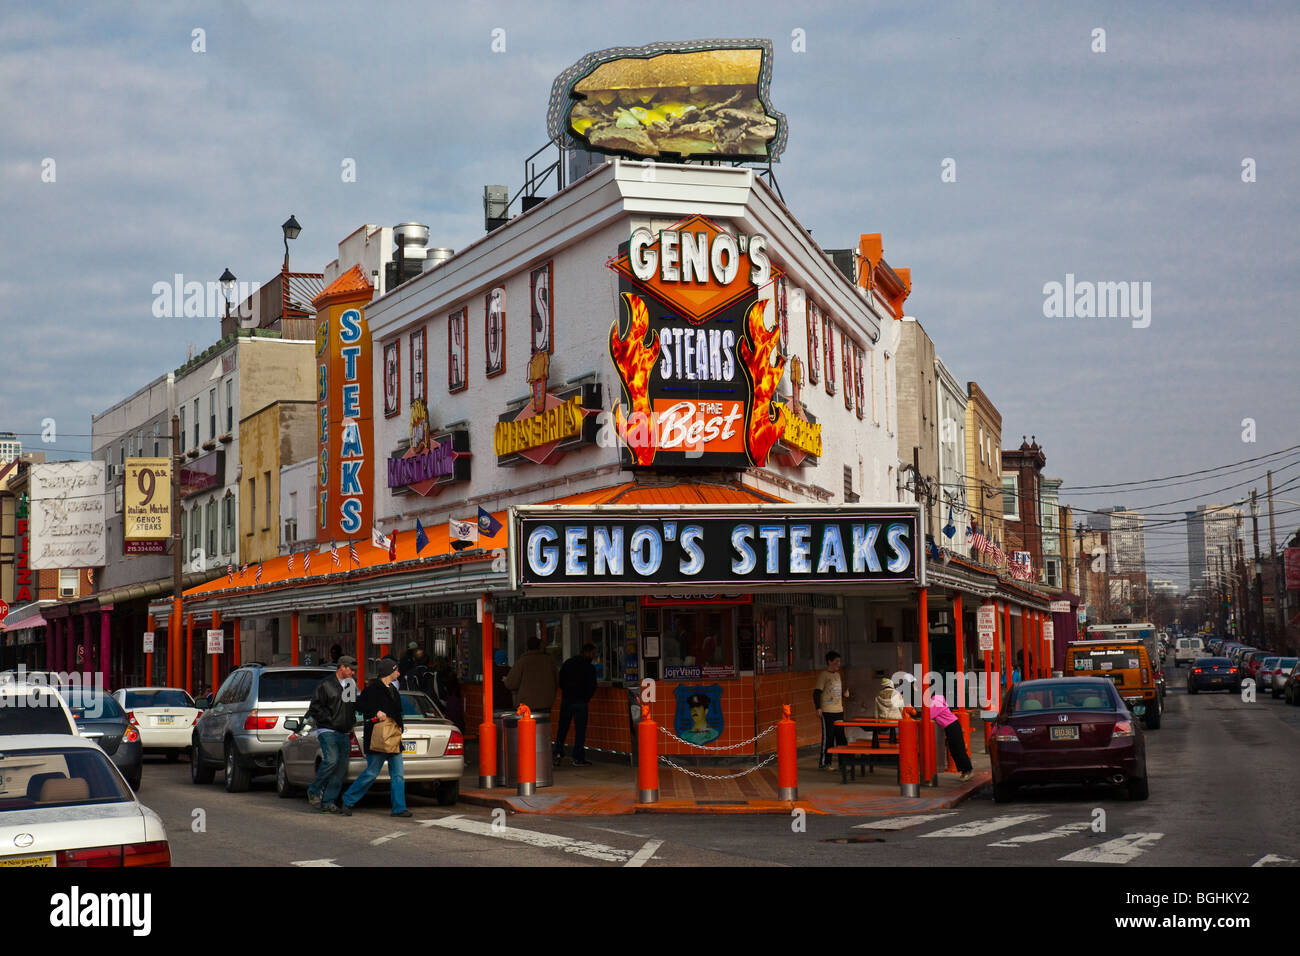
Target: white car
63, 803
34, 709
1187, 650
165, 717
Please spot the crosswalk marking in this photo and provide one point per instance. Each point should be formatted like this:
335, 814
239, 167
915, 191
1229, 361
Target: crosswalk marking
388, 836
980, 827
645, 853
548, 841
1123, 849
329, 862
902, 822
1060, 831
1273, 860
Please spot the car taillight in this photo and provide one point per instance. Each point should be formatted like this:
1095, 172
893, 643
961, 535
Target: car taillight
92, 856
196, 718
455, 746
1123, 728
256, 721
131, 735
355, 750
1005, 733
147, 854
1232, 670
1146, 675
130, 715
1196, 670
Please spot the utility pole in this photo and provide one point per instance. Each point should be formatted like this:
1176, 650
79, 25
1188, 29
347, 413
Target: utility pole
1257, 595
1222, 611
174, 675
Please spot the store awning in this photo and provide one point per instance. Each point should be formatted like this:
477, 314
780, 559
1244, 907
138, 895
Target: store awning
671, 493
34, 620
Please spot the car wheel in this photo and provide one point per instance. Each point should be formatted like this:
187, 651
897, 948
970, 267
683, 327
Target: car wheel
135, 782
199, 771
173, 756
1152, 717
448, 792
282, 785
237, 775
1137, 788
1191, 689
1003, 792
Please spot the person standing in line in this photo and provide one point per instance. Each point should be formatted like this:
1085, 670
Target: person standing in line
577, 687
533, 679
380, 701
828, 697
407, 663
333, 711
946, 719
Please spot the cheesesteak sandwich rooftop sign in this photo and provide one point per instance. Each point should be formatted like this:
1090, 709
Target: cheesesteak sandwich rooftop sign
562, 546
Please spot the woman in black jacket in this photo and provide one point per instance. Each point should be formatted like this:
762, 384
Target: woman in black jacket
380, 701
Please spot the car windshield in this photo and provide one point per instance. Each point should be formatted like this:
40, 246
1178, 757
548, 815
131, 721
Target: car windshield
1066, 695
289, 685
57, 778
1105, 658
166, 697
32, 710
93, 705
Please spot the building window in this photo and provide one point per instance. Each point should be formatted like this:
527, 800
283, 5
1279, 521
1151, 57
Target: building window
212, 413
184, 434
228, 524
196, 423
230, 405
266, 480
888, 426
849, 496
1011, 497
1052, 574
981, 444
69, 583
155, 439
212, 528
252, 504
196, 528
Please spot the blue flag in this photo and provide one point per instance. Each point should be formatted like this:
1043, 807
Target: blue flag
949, 529
421, 539
487, 525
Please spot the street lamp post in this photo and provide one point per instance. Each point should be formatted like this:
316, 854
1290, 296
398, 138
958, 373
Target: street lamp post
291, 229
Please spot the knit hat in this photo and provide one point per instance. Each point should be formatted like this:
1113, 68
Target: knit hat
386, 667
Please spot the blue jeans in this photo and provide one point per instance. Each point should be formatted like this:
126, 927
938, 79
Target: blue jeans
334, 748
375, 763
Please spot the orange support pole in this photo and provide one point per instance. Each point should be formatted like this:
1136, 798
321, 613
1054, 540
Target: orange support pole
487, 731
216, 658
961, 651
647, 746
1026, 644
189, 654
909, 771
1011, 641
173, 643
787, 749
994, 694
148, 658
293, 638
527, 752
361, 645
929, 758
238, 655
1038, 643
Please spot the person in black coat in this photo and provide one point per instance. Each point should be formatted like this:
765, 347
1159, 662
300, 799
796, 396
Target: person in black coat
378, 702
577, 687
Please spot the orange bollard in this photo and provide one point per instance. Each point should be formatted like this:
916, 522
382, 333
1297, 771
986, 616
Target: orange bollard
527, 752
909, 768
647, 747
787, 773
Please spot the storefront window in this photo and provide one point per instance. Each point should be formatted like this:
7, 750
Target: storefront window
607, 635
698, 639
773, 639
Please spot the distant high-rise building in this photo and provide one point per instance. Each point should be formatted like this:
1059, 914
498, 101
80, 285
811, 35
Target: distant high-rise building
10, 447
1128, 540
1212, 532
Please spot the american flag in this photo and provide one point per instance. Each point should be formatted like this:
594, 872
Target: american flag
291, 562
978, 541
306, 562
230, 572
334, 555
352, 553
258, 577
243, 570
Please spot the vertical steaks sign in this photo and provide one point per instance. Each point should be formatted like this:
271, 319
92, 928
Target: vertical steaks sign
698, 362
714, 547
345, 416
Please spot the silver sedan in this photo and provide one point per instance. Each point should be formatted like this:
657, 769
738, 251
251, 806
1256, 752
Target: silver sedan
433, 753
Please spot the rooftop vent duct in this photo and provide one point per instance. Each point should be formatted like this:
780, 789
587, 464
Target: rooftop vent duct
845, 261
436, 257
496, 207
408, 255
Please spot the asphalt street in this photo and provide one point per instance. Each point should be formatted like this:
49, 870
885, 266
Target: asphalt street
1222, 795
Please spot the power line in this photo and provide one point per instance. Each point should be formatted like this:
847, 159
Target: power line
1244, 461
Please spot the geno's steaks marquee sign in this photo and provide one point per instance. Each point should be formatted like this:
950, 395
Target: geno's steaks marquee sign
571, 546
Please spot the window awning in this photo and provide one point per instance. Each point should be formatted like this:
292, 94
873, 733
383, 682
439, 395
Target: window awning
35, 620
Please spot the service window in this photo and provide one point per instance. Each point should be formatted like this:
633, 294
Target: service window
607, 635
698, 638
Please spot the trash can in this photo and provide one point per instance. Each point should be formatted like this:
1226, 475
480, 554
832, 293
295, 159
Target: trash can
507, 722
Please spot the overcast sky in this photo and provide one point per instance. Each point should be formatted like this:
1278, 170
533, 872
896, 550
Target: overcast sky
1117, 166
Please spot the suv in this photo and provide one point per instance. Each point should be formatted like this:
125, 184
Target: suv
244, 727
1128, 665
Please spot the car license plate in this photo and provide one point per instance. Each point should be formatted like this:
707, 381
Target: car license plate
165, 721
408, 748
1065, 733
27, 861
1216, 680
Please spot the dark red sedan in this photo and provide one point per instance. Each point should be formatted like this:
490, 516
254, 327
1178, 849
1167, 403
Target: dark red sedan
1071, 730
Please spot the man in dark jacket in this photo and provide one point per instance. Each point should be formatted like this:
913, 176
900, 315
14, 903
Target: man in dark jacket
577, 687
333, 711
378, 702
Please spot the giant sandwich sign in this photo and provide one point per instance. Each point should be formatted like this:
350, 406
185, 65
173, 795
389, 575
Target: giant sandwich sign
715, 547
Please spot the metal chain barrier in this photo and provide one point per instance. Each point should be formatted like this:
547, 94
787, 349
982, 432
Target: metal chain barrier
746, 743
709, 776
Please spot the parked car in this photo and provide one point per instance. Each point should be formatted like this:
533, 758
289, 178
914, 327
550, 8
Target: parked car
1072, 730
1240, 651
1213, 673
433, 753
101, 719
244, 728
164, 716
1273, 678
1291, 689
34, 709
63, 803
1249, 664
1187, 650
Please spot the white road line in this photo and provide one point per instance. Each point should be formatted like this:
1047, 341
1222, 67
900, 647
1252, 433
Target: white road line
1060, 831
903, 822
1274, 860
645, 853
329, 862
980, 827
1123, 849
388, 836
547, 841
639, 836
